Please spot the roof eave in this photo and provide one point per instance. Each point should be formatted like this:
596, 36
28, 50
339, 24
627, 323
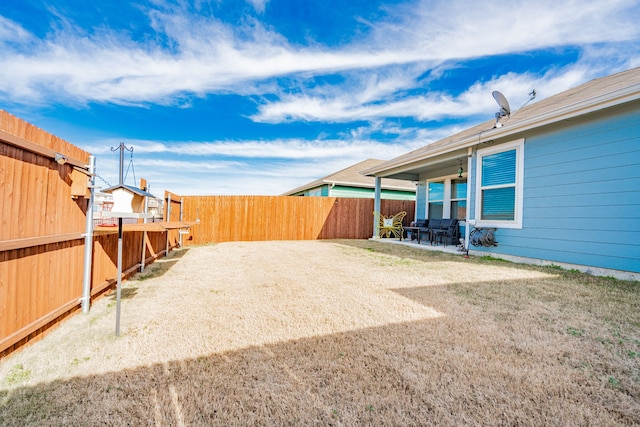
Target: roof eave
597, 103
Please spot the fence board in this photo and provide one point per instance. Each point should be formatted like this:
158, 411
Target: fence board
172, 207
4, 293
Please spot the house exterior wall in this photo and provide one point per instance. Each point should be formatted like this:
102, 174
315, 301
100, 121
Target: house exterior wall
581, 195
352, 192
356, 192
397, 195
322, 190
368, 193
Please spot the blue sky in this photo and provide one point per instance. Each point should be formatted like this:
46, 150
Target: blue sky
261, 96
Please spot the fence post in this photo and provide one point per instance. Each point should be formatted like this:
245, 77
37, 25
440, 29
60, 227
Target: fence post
88, 241
168, 219
180, 234
146, 187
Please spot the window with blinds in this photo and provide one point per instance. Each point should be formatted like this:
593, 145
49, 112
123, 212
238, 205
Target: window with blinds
499, 185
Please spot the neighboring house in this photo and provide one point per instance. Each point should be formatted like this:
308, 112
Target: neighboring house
350, 182
559, 180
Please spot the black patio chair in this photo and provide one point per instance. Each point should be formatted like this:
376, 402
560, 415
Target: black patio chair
451, 234
434, 225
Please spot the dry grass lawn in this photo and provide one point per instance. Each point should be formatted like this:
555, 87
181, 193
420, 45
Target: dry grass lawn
338, 333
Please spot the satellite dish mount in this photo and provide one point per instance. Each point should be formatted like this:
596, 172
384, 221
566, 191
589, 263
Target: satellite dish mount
505, 110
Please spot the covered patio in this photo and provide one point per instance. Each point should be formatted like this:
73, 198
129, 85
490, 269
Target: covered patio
424, 245
441, 172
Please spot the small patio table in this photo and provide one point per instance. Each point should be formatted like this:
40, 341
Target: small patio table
439, 235
414, 231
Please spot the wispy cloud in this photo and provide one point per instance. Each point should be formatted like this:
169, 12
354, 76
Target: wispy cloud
205, 55
291, 149
258, 5
392, 100
223, 167
460, 29
11, 32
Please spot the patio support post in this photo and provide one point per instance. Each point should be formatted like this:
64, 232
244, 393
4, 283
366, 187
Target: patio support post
88, 240
467, 228
376, 208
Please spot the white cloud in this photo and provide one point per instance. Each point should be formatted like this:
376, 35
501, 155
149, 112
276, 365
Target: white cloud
208, 56
285, 149
223, 168
12, 32
462, 29
375, 103
258, 5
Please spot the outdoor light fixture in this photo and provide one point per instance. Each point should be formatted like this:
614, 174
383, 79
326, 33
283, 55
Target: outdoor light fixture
460, 170
60, 159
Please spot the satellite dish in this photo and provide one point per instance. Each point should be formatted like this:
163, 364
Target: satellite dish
505, 110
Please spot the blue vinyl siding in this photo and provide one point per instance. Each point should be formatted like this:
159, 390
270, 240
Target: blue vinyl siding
581, 195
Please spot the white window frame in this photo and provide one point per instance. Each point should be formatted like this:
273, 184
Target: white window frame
459, 199
518, 145
444, 196
446, 202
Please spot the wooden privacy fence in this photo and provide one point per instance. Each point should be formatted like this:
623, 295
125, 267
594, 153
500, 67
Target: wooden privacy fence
42, 225
173, 211
247, 218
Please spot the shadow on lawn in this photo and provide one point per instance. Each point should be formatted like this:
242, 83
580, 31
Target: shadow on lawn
424, 255
469, 367
161, 265
403, 251
157, 269
421, 254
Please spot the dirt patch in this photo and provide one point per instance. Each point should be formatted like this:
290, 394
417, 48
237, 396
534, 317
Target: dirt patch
338, 333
